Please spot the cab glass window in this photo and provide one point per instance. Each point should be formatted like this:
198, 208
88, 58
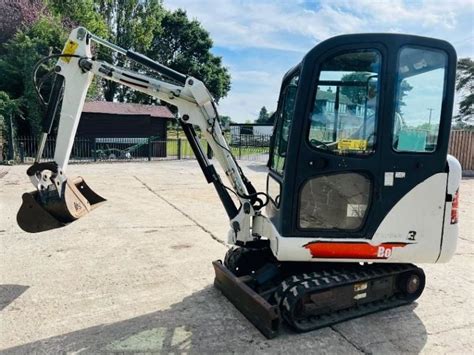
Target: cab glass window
419, 98
273, 190
283, 126
344, 114
338, 201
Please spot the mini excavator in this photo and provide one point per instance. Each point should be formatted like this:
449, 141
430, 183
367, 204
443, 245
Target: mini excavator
359, 185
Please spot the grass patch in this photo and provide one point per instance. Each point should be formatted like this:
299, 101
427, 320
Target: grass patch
186, 151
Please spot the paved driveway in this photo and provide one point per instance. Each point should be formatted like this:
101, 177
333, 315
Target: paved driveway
135, 275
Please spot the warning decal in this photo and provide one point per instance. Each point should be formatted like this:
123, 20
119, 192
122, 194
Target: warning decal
352, 144
70, 48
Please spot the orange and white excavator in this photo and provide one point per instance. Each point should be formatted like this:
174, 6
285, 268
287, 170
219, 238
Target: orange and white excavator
359, 186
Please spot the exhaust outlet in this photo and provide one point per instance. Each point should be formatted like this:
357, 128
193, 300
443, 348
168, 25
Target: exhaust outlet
40, 213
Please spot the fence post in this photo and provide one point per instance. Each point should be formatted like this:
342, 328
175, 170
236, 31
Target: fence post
209, 151
22, 152
179, 148
149, 148
240, 144
94, 148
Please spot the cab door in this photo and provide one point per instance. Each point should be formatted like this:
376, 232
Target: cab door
337, 175
345, 154
280, 146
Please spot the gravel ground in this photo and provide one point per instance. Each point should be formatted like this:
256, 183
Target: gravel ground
136, 276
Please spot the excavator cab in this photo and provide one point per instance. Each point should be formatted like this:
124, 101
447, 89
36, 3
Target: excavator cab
361, 134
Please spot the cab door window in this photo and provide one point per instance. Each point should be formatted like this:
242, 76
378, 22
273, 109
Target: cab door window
345, 106
420, 92
343, 122
337, 201
283, 127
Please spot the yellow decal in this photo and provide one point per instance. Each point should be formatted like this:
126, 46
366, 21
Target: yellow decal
70, 48
361, 286
352, 144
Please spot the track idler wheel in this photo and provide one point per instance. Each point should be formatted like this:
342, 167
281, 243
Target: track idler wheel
245, 261
49, 211
412, 284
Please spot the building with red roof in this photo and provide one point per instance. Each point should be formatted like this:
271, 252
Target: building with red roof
102, 119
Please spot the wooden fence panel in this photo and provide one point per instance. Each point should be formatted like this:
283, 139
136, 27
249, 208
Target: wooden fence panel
461, 145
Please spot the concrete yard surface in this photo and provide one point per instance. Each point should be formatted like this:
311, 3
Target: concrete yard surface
135, 276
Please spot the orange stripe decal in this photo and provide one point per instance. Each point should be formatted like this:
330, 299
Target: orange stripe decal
348, 250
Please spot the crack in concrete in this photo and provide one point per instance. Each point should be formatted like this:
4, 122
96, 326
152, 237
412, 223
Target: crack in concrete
20, 233
374, 344
212, 235
354, 345
148, 230
465, 326
465, 239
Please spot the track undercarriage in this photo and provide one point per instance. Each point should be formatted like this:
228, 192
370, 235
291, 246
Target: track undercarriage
308, 296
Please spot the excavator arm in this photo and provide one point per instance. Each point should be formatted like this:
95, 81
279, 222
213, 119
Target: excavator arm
60, 197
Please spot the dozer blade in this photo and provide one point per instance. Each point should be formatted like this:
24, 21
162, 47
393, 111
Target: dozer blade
264, 316
50, 212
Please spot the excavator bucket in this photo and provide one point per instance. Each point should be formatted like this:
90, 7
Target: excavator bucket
41, 213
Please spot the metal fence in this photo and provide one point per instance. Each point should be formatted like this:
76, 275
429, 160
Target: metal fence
461, 145
251, 147
86, 149
244, 147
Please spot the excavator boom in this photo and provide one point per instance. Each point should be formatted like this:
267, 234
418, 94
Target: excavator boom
60, 200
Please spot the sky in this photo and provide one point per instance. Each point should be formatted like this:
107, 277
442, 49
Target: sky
259, 41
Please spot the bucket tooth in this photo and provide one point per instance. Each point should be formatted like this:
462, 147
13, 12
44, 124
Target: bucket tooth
51, 211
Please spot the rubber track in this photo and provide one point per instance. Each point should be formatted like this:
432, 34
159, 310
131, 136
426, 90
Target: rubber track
295, 287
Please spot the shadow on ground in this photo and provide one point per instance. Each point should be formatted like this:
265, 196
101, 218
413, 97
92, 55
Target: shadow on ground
205, 322
257, 167
9, 293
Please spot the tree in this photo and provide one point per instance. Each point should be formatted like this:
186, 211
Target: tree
132, 25
16, 64
225, 120
465, 86
432, 127
8, 111
184, 45
15, 14
263, 116
167, 37
271, 118
358, 94
140, 25
76, 13
39, 35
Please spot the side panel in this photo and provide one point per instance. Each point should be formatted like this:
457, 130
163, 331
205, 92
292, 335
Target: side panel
411, 232
416, 219
450, 230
